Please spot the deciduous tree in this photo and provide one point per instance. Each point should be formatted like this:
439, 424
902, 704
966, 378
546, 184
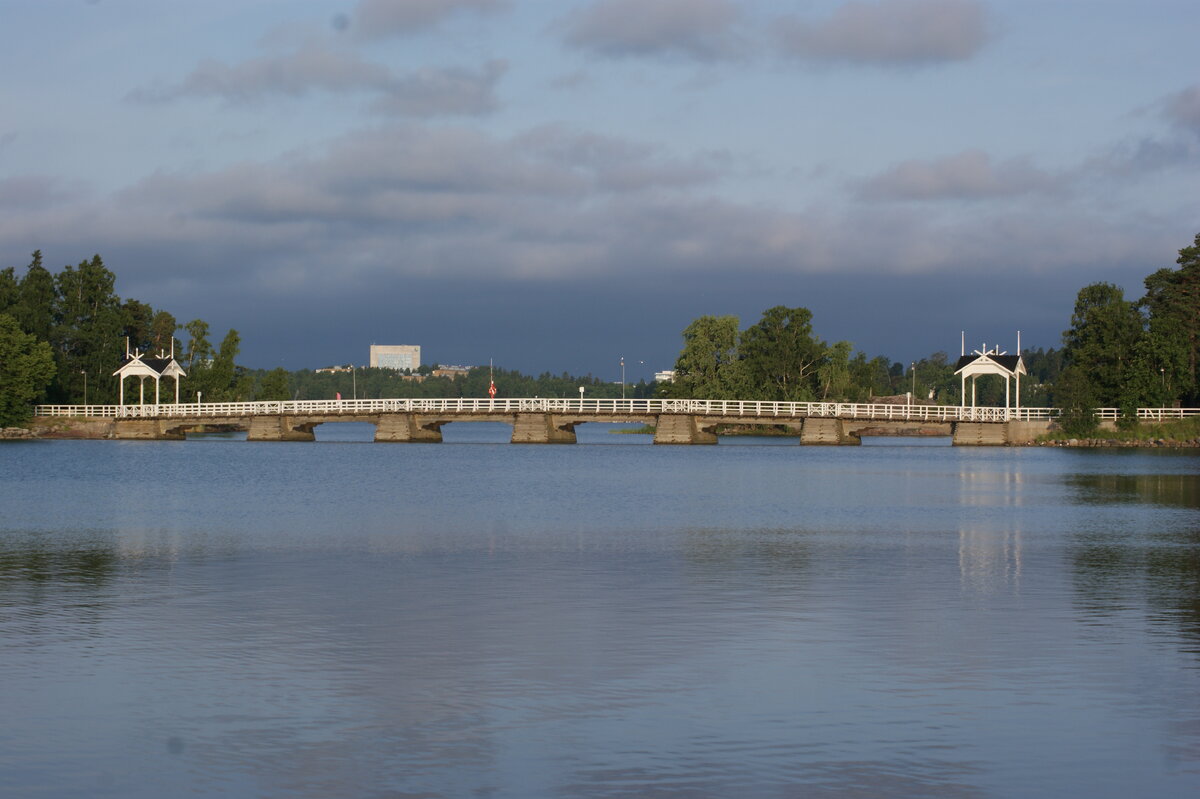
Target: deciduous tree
1102, 341
26, 368
781, 355
708, 366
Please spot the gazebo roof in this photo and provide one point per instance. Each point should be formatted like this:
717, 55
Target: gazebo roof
990, 362
138, 364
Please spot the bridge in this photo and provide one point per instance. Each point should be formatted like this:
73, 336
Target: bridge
552, 421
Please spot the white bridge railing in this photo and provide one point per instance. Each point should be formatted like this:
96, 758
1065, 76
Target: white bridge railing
616, 408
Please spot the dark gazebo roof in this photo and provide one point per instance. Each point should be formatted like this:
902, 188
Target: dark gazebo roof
1009, 362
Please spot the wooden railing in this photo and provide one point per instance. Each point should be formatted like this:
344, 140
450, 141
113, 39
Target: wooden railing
616, 408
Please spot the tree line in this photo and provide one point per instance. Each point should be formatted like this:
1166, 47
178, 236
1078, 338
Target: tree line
1131, 354
781, 358
1116, 353
63, 335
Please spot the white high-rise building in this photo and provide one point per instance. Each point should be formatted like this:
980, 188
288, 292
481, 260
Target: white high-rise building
395, 356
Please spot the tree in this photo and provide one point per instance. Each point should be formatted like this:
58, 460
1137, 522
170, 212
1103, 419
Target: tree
834, 372
936, 374
708, 366
1173, 303
162, 332
199, 351
274, 386
223, 375
26, 368
8, 289
1103, 339
89, 332
1075, 399
780, 355
34, 309
138, 317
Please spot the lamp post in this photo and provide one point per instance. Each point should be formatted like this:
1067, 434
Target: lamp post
622, 377
353, 381
913, 395
84, 373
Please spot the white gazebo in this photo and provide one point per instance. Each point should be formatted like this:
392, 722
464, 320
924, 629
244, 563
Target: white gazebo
137, 364
995, 361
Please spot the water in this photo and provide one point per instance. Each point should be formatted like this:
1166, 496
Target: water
340, 618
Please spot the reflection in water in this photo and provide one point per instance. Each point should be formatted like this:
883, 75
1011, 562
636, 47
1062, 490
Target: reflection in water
1116, 568
990, 560
1114, 573
359, 620
40, 562
1177, 490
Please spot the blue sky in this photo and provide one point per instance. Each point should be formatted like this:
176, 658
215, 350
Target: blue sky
557, 184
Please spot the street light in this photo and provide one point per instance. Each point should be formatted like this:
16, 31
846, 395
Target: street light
913, 369
622, 377
84, 373
354, 381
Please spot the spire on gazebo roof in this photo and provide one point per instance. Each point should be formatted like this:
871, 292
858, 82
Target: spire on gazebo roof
137, 364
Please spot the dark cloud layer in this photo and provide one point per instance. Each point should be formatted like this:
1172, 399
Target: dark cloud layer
892, 33
700, 29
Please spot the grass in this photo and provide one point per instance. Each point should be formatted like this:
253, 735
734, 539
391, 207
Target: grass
1178, 430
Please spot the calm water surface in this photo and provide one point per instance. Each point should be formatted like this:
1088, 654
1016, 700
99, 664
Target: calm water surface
340, 618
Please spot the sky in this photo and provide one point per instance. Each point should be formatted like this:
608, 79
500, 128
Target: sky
556, 185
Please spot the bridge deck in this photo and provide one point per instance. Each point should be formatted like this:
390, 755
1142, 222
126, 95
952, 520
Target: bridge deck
748, 411
614, 409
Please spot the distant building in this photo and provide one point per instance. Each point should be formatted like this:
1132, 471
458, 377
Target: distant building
395, 356
452, 372
665, 376
332, 369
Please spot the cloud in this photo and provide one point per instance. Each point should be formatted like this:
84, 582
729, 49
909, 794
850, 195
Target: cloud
311, 67
378, 19
28, 192
705, 30
1182, 109
381, 209
969, 175
892, 33
315, 67
438, 92
619, 165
